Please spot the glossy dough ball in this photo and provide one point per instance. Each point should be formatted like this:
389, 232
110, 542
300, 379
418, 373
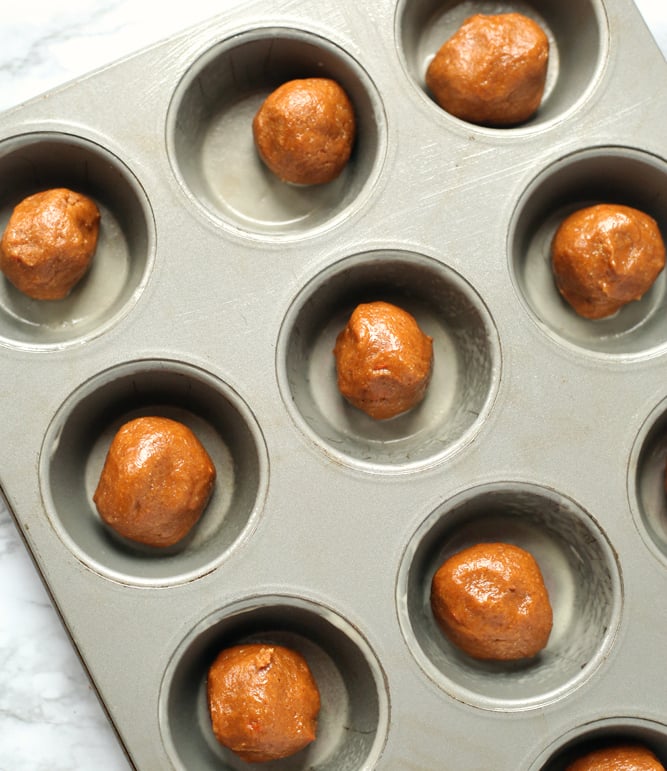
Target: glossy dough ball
492, 71
263, 701
49, 242
490, 601
383, 360
156, 481
625, 757
304, 131
605, 256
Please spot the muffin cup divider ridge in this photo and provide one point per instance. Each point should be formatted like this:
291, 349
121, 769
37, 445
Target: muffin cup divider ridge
324, 528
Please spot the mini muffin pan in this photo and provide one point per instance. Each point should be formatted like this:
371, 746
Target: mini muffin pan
215, 297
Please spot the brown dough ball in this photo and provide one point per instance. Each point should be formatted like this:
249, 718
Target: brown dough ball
263, 701
49, 242
304, 131
624, 757
605, 256
383, 360
156, 481
492, 71
490, 600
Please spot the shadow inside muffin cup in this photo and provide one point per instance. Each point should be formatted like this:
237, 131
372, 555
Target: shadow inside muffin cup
211, 142
466, 360
353, 716
576, 30
607, 732
77, 442
32, 163
616, 175
580, 574
646, 481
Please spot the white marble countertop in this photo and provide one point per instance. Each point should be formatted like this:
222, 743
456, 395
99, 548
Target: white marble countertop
49, 715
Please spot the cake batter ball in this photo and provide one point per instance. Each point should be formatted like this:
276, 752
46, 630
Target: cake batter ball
156, 481
305, 130
263, 701
623, 757
605, 256
383, 360
491, 602
492, 71
49, 242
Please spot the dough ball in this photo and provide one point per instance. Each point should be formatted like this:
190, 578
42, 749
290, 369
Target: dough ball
263, 701
156, 481
304, 131
623, 757
49, 242
492, 71
383, 360
605, 256
490, 601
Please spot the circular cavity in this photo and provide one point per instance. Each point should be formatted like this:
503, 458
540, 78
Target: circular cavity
466, 360
76, 444
615, 175
211, 141
354, 712
647, 481
580, 573
603, 733
576, 30
31, 163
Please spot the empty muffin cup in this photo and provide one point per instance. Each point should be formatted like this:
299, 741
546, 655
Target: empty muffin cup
352, 721
576, 31
617, 175
580, 574
466, 360
210, 133
77, 442
119, 269
647, 481
604, 733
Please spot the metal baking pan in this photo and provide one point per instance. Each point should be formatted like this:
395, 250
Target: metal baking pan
215, 297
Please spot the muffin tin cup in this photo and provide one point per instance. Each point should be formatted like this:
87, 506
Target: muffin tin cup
30, 163
580, 572
578, 40
466, 361
606, 174
601, 733
646, 481
77, 442
210, 133
353, 718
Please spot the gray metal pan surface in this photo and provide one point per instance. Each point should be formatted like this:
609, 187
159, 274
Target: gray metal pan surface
216, 298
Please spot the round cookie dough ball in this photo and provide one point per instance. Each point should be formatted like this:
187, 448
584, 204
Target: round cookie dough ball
263, 701
623, 757
491, 602
383, 360
304, 131
492, 71
156, 481
49, 242
605, 256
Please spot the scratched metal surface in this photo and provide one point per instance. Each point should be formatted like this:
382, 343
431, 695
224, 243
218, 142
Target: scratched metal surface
215, 297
